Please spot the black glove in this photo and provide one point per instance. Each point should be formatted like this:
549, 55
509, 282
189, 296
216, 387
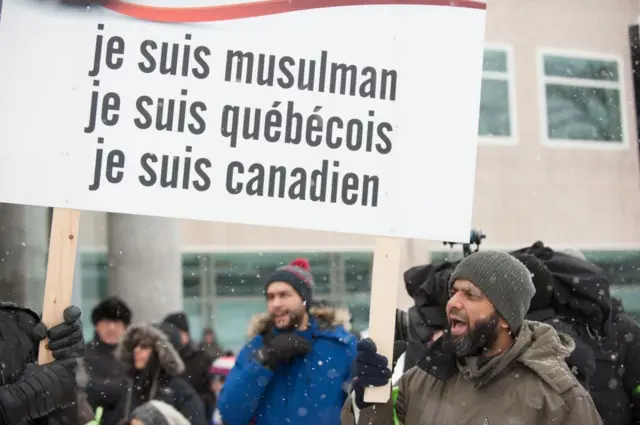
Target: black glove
282, 348
370, 369
66, 339
40, 391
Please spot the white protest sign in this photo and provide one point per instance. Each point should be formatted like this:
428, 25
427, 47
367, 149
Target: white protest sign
345, 116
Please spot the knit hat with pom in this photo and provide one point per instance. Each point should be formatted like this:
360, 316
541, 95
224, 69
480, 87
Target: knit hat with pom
298, 275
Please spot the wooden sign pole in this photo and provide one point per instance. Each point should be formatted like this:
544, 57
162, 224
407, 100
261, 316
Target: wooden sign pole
60, 268
385, 278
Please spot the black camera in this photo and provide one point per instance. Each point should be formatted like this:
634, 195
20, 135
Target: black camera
475, 238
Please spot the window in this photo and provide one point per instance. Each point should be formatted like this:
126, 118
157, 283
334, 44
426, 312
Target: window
496, 117
622, 268
582, 99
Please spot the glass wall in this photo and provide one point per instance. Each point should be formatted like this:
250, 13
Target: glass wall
225, 290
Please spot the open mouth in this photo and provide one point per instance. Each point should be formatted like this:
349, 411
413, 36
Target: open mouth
458, 327
283, 318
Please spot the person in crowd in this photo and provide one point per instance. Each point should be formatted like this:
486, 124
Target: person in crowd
32, 393
581, 361
429, 285
219, 371
156, 412
582, 299
296, 367
153, 368
501, 367
196, 360
107, 376
210, 344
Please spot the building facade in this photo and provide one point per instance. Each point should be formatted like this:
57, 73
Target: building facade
558, 162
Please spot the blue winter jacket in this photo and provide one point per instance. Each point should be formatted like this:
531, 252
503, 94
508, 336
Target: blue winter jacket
309, 391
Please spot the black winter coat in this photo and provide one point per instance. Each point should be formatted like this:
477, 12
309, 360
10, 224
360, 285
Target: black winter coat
160, 381
581, 296
107, 378
18, 347
197, 363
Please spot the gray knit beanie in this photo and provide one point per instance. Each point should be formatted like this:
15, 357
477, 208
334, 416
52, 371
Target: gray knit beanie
156, 412
504, 280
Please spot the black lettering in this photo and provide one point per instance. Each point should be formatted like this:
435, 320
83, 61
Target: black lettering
200, 125
186, 170
247, 132
346, 75
298, 189
185, 56
293, 117
204, 183
287, 80
146, 120
314, 124
319, 183
331, 142
199, 54
151, 177
97, 53
232, 188
370, 186
169, 178
389, 80
108, 109
97, 168
110, 105
255, 185
273, 121
350, 189
115, 162
384, 146
229, 124
266, 72
241, 59
169, 60
115, 51
354, 134
169, 106
145, 49
326, 185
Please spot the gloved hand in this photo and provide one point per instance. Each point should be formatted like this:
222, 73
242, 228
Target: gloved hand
371, 369
282, 348
40, 391
66, 339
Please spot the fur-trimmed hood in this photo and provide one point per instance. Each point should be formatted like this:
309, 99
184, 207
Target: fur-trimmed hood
169, 359
327, 317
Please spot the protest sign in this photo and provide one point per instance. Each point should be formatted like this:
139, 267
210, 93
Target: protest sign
333, 115
333, 118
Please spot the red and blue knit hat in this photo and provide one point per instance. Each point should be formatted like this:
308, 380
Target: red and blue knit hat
298, 275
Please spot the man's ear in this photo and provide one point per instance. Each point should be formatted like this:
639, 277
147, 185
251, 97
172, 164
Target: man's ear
503, 324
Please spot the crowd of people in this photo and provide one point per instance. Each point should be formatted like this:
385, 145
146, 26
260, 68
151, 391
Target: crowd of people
527, 337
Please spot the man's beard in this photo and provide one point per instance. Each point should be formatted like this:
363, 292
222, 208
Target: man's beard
295, 320
476, 342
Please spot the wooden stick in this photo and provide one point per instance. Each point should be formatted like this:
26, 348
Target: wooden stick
385, 278
60, 268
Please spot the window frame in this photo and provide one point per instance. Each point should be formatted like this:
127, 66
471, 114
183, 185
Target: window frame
509, 77
619, 85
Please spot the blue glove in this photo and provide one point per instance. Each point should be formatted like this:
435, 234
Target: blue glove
370, 369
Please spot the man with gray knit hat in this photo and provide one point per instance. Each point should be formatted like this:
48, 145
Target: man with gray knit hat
491, 366
502, 281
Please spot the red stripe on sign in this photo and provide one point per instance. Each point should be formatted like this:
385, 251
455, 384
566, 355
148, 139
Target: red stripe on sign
259, 8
